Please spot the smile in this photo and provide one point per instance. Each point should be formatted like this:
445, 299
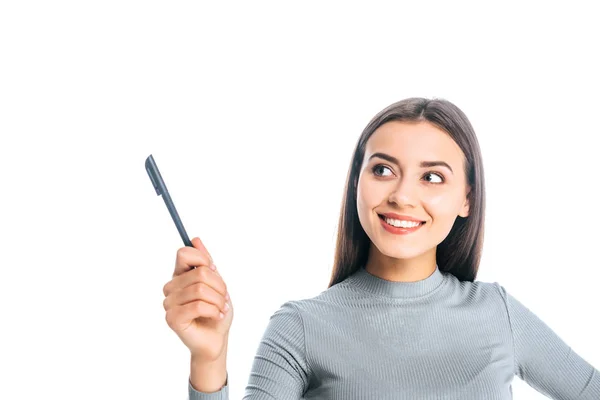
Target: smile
399, 227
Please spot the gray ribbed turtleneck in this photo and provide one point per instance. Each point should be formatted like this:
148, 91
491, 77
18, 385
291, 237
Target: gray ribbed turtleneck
439, 338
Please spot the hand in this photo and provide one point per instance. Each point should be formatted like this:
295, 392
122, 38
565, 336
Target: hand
196, 304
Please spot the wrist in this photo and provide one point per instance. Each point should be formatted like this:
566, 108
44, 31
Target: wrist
208, 376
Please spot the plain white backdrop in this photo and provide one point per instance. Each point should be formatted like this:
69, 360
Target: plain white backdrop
252, 111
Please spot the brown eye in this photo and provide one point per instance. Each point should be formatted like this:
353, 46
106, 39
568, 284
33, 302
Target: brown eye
379, 167
435, 178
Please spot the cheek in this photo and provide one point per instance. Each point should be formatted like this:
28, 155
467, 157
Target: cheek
363, 194
443, 204
370, 194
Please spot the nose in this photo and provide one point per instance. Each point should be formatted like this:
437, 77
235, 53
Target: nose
404, 194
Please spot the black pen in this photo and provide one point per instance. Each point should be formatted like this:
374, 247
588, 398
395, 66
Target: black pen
161, 189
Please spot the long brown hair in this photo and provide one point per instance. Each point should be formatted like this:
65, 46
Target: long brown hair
460, 252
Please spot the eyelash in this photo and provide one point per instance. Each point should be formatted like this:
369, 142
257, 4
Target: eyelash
427, 173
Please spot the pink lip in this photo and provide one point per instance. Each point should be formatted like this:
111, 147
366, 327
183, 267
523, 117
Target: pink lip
399, 231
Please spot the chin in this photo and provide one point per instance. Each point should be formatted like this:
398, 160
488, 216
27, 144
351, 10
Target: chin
401, 252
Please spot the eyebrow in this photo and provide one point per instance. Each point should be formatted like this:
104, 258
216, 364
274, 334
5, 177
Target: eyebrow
424, 164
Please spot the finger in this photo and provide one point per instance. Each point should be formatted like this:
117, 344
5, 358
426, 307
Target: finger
198, 291
201, 274
180, 317
188, 257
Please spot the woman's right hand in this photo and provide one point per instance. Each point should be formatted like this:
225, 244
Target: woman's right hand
194, 301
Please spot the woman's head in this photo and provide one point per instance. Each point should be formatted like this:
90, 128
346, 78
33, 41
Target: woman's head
392, 172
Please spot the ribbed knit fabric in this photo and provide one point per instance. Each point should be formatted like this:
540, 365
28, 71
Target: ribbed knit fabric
438, 338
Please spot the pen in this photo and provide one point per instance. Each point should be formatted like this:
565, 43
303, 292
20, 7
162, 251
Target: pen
161, 189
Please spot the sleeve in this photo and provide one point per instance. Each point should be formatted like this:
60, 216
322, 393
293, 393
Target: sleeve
280, 370
222, 394
544, 361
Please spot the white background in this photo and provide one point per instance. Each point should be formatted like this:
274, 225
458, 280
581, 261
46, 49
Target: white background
252, 111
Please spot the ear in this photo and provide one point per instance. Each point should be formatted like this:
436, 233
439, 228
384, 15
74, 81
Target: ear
464, 211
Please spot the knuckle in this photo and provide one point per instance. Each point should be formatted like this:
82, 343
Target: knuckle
169, 319
200, 288
180, 252
166, 288
201, 273
166, 304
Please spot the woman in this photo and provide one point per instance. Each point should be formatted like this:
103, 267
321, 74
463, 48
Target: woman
403, 317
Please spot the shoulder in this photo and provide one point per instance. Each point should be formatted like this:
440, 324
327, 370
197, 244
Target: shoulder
329, 300
473, 287
477, 291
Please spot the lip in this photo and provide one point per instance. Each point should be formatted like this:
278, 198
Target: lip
401, 217
399, 231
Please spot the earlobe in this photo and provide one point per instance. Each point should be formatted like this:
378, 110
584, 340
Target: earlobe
465, 208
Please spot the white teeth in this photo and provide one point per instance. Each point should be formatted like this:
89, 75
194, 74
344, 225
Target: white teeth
402, 224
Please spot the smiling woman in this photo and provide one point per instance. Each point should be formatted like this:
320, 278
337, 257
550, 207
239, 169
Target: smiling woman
408, 189
434, 175
403, 316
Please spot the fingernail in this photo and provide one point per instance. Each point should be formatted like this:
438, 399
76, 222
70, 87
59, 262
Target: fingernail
226, 307
213, 267
227, 296
221, 315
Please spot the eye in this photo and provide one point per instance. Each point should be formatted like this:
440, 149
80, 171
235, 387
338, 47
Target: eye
434, 174
379, 167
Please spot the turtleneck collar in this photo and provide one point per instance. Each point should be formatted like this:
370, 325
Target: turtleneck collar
403, 290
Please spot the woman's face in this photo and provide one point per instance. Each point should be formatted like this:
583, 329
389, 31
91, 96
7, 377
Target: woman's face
416, 170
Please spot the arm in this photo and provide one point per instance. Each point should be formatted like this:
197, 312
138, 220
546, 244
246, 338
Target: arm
280, 370
544, 361
208, 382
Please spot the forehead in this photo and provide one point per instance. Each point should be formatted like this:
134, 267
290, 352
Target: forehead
414, 141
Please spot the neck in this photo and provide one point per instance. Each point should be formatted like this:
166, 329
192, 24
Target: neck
400, 269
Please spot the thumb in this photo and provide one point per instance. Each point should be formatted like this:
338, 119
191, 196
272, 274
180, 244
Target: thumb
197, 243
